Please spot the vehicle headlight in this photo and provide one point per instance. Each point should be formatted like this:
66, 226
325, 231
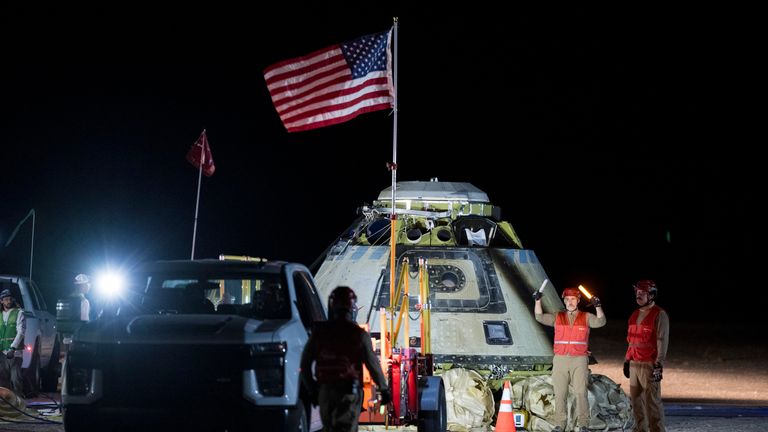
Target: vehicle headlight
268, 361
81, 361
79, 380
270, 348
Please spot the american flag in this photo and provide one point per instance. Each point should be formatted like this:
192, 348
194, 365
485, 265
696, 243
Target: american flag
334, 84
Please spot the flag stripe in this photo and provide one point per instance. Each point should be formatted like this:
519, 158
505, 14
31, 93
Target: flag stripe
334, 84
308, 115
335, 120
339, 94
299, 91
305, 72
322, 89
290, 64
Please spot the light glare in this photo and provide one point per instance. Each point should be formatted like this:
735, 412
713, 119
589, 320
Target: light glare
110, 284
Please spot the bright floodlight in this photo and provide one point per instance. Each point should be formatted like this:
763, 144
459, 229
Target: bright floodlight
110, 284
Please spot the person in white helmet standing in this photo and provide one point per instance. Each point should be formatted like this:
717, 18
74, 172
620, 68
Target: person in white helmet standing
82, 287
12, 327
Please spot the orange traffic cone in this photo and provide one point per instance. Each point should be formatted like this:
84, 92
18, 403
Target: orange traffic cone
505, 421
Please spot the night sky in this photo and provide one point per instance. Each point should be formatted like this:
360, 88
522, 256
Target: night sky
592, 130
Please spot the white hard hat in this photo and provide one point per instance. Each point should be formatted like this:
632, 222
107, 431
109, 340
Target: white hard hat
81, 279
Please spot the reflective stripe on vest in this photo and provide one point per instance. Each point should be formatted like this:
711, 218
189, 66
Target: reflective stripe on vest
8, 330
642, 337
571, 340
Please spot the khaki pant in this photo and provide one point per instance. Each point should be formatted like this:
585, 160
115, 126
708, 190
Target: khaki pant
571, 370
645, 396
339, 409
10, 373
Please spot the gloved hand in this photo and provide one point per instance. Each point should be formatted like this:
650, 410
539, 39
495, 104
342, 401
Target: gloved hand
626, 368
11, 353
537, 296
596, 302
386, 396
657, 370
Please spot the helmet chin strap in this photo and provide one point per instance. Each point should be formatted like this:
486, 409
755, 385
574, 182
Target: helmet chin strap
648, 302
342, 313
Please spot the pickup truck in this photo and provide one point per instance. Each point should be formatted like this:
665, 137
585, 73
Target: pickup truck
201, 345
40, 363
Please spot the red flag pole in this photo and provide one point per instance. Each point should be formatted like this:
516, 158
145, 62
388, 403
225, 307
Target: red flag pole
199, 181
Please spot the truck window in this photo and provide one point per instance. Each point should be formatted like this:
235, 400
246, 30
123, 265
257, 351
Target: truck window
310, 308
40, 298
263, 297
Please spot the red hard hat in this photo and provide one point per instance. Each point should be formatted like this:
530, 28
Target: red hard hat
646, 285
574, 292
342, 297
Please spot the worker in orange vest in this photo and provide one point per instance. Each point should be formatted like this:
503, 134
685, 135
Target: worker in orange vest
570, 363
648, 338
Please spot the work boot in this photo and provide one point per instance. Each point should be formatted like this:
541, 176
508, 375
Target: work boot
557, 429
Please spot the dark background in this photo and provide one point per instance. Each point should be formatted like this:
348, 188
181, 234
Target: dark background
605, 135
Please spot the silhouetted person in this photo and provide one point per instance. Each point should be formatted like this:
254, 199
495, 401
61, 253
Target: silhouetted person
82, 287
338, 348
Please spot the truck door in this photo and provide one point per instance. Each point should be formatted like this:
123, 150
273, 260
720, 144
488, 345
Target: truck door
307, 300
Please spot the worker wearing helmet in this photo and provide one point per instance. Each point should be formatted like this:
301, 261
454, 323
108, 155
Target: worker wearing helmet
648, 337
82, 287
12, 328
339, 347
570, 363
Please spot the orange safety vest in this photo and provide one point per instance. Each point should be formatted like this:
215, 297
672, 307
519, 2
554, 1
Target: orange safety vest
642, 337
339, 353
571, 340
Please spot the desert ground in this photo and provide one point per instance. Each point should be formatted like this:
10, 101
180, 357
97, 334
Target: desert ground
709, 365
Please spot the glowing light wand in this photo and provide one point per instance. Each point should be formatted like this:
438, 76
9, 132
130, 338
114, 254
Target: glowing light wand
585, 292
543, 284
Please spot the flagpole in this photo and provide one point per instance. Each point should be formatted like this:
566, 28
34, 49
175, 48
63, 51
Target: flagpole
197, 203
32, 248
16, 230
393, 167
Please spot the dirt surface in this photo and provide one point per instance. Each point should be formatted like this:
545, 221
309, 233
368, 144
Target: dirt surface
708, 364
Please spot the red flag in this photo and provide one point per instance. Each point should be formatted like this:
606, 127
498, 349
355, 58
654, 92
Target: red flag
334, 84
200, 154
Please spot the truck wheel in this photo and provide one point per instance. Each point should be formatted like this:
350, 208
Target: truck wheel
435, 421
50, 381
31, 375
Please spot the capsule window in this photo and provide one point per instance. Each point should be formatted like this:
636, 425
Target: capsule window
497, 333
